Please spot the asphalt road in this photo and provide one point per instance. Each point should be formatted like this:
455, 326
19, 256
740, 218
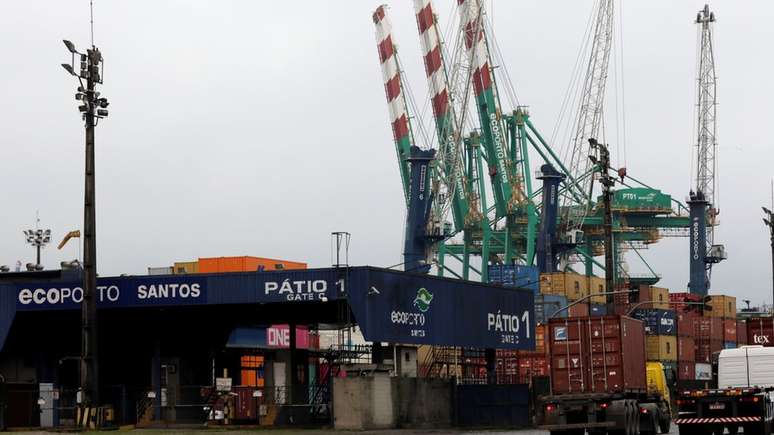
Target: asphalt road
332, 432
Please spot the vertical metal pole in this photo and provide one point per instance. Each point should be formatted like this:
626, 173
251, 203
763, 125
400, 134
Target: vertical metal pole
38, 258
89, 366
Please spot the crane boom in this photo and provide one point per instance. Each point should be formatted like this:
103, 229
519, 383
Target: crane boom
505, 185
396, 99
450, 158
590, 111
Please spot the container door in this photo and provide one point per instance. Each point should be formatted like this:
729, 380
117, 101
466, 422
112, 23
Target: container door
605, 356
567, 362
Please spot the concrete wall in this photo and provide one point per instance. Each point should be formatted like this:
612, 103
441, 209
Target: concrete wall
382, 402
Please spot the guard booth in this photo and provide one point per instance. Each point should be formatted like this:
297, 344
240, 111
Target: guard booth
234, 348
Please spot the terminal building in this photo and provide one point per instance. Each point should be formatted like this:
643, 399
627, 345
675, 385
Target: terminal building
270, 346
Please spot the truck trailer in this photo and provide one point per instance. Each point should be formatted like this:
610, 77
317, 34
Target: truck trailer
744, 397
600, 381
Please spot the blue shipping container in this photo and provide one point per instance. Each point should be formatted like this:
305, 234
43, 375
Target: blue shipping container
598, 309
546, 306
729, 345
657, 321
515, 275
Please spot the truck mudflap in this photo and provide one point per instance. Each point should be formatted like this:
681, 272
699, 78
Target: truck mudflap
717, 420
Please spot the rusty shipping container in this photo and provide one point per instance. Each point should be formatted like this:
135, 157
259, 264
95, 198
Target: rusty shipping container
679, 301
686, 370
741, 332
686, 349
578, 310
729, 330
596, 355
686, 322
705, 348
760, 331
709, 327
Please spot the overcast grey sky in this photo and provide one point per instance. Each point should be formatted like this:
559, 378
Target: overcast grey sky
257, 128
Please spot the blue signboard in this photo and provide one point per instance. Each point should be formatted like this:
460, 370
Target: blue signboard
404, 308
138, 291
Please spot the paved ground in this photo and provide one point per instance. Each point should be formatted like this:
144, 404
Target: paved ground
332, 432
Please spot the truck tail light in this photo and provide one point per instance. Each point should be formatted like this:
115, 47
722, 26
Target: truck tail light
604, 405
753, 399
550, 407
643, 410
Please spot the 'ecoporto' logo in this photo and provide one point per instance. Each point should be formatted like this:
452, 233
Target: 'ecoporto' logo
423, 299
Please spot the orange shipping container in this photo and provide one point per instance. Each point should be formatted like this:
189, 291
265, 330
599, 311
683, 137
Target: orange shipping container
245, 264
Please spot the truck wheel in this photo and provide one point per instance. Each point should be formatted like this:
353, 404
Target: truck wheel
665, 425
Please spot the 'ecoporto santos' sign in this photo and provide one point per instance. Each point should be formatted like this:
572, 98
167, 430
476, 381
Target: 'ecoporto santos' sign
137, 291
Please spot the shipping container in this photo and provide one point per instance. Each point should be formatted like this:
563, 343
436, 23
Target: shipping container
578, 310
582, 348
729, 330
703, 372
641, 199
571, 285
597, 286
657, 322
598, 309
709, 327
686, 370
546, 307
722, 306
686, 323
760, 330
515, 275
705, 348
729, 345
540, 338
661, 347
185, 267
686, 349
653, 297
741, 332
246, 264
679, 301
160, 270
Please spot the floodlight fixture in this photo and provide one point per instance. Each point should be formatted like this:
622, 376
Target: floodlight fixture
70, 46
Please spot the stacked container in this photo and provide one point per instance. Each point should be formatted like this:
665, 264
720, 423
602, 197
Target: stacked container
724, 307
571, 285
760, 330
661, 330
686, 345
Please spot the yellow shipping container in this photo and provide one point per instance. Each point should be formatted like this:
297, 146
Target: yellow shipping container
571, 285
596, 286
660, 298
722, 306
184, 267
661, 348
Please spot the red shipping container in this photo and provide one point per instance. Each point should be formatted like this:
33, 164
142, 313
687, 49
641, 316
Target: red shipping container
597, 354
686, 349
729, 330
741, 332
709, 327
578, 310
760, 331
676, 298
686, 370
705, 348
686, 324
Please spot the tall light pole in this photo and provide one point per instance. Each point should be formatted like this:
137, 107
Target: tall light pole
39, 239
769, 221
93, 108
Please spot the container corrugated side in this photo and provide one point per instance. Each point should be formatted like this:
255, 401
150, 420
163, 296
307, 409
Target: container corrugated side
596, 354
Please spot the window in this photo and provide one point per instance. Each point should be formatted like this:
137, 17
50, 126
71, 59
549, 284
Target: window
251, 373
668, 348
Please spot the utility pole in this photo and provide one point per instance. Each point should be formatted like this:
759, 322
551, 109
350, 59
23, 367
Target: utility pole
769, 221
93, 108
607, 182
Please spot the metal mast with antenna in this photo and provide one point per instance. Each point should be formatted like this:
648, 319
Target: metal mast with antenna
92, 109
702, 202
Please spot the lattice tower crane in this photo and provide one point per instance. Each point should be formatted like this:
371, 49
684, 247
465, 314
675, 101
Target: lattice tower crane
703, 201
